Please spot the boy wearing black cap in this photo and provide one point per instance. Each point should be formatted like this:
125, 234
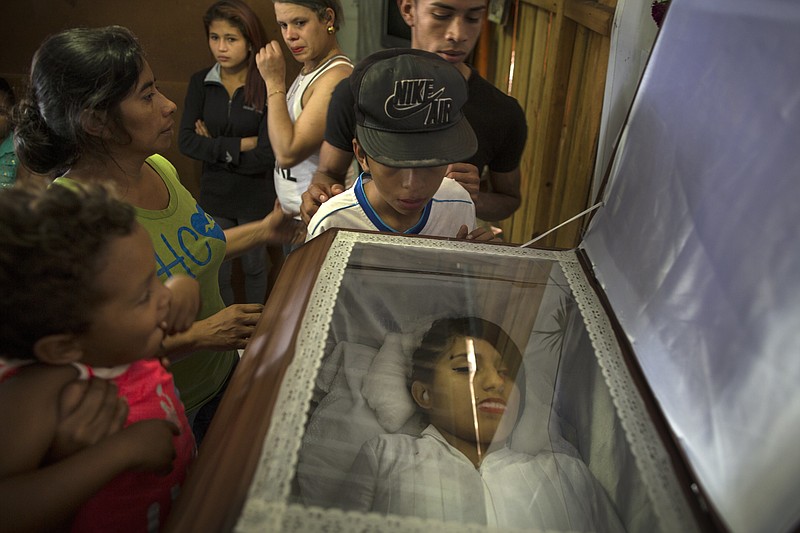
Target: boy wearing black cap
450, 29
409, 127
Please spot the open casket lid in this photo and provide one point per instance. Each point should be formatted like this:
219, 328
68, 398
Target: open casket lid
696, 248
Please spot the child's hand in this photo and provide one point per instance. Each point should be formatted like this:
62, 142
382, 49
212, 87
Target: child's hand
184, 305
88, 412
150, 443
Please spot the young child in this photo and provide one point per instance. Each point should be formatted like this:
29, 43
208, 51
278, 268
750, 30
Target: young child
409, 127
79, 296
467, 380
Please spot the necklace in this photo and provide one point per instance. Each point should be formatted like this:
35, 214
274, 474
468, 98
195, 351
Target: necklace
333, 52
294, 86
298, 81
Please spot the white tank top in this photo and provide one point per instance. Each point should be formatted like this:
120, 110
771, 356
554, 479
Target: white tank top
291, 183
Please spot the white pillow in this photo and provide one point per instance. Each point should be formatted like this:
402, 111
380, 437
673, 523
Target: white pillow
385, 386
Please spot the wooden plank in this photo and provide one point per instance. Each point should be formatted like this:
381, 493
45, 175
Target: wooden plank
589, 13
547, 5
525, 89
572, 183
544, 44
585, 127
559, 79
548, 214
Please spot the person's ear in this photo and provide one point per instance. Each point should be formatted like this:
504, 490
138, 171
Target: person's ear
93, 122
419, 391
58, 349
406, 8
361, 156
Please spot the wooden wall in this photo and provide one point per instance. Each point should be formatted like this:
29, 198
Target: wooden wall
560, 51
171, 33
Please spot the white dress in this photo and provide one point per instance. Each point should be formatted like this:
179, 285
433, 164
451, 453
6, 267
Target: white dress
426, 477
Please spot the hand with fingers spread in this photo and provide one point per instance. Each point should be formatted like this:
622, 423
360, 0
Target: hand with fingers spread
315, 196
229, 329
89, 410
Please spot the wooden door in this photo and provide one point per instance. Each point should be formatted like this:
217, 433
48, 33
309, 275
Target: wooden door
553, 56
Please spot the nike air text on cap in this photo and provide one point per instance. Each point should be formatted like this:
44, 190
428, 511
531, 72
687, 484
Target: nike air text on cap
408, 109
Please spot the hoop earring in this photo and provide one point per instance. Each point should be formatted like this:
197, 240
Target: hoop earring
331, 30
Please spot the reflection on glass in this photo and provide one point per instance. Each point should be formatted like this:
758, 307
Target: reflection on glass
450, 473
463, 388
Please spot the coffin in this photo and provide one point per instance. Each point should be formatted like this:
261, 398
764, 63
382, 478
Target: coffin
317, 382
661, 357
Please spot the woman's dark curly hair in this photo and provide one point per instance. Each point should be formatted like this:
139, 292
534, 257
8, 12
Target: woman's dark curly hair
77, 70
53, 245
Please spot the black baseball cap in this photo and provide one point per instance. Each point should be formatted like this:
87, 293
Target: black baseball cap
408, 106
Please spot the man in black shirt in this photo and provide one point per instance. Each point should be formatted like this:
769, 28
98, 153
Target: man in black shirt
449, 28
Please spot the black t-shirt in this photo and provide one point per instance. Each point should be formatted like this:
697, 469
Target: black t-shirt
497, 119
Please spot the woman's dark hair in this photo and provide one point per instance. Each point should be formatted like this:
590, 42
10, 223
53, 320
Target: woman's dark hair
238, 14
75, 71
53, 245
320, 7
444, 331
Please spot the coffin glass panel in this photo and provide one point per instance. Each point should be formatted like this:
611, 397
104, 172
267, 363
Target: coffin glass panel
458, 385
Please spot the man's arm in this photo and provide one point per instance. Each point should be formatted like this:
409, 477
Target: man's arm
503, 199
328, 180
333, 165
490, 205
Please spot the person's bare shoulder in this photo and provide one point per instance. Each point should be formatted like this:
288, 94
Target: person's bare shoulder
329, 79
29, 412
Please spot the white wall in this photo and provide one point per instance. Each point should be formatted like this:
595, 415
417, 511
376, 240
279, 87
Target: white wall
632, 39
348, 36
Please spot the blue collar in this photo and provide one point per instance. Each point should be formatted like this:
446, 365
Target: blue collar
376, 220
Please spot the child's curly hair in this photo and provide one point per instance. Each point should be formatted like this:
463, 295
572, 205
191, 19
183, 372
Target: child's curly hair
52, 247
